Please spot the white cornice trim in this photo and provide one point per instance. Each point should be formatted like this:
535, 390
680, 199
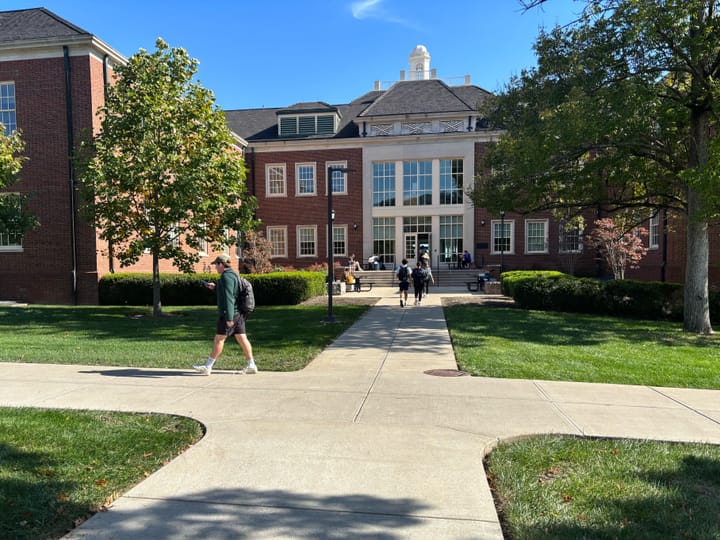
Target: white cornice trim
36, 49
360, 142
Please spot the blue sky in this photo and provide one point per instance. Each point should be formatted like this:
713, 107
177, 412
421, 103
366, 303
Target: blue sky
273, 53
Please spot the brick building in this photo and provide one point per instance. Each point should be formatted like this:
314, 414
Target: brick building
410, 151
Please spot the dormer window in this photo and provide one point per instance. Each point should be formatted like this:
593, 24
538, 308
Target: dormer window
308, 124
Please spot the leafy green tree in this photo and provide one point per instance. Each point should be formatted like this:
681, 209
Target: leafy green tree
620, 114
164, 176
15, 218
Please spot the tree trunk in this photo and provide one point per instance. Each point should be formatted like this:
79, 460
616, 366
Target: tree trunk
696, 301
157, 306
696, 304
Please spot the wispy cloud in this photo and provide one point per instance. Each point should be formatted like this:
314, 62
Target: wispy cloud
374, 9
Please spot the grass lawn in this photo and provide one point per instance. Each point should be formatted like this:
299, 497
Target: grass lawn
570, 488
284, 338
516, 343
59, 467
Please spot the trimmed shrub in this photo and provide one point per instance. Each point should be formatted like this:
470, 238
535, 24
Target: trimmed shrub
644, 299
277, 288
511, 278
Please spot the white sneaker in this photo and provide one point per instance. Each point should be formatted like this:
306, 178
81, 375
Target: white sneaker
250, 369
202, 368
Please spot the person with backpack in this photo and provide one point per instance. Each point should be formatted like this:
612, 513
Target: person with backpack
403, 274
235, 301
418, 277
428, 276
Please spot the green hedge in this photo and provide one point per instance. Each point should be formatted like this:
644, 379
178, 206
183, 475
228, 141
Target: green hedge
511, 278
277, 288
624, 298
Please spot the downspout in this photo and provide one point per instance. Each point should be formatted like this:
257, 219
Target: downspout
71, 174
663, 265
106, 84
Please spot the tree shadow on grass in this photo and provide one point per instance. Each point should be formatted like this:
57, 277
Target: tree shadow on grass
32, 499
556, 328
688, 507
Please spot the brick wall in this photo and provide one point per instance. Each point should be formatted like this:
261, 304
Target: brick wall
292, 210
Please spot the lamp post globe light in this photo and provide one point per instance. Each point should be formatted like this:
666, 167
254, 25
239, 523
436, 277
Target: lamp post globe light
331, 256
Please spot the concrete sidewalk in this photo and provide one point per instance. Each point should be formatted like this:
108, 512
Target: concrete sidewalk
360, 444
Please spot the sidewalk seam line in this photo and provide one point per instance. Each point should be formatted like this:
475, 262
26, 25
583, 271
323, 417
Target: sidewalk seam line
685, 405
379, 370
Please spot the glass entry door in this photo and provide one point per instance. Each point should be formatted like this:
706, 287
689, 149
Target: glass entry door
411, 246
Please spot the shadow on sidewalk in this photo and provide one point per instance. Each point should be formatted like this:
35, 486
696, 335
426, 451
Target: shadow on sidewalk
247, 513
140, 373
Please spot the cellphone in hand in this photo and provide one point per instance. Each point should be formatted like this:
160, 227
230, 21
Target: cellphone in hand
204, 283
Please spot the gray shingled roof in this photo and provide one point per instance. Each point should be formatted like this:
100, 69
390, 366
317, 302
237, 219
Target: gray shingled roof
428, 96
406, 97
35, 24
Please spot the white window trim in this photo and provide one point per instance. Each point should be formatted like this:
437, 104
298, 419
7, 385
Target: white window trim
561, 233
328, 182
282, 228
297, 179
297, 240
12, 248
545, 249
654, 222
345, 234
282, 166
511, 250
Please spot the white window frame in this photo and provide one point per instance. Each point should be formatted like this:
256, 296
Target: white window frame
5, 245
511, 248
301, 228
344, 230
544, 250
562, 235
298, 167
654, 231
328, 181
282, 243
270, 170
8, 107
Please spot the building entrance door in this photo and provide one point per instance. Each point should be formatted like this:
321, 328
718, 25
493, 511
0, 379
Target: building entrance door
415, 245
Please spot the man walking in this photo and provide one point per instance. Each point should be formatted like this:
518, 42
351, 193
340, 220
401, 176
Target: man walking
403, 274
231, 321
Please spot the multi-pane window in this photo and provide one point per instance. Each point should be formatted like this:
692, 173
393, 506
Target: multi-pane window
417, 183
11, 240
384, 239
339, 178
451, 238
7, 107
276, 180
417, 224
451, 181
654, 236
384, 183
536, 240
278, 241
570, 238
307, 241
502, 235
305, 175
339, 240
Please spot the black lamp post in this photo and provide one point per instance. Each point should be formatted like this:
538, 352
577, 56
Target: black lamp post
331, 256
502, 239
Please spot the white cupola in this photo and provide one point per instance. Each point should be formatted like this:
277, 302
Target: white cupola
419, 64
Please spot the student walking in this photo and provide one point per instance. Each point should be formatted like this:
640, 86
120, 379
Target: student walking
231, 319
403, 274
418, 278
428, 277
